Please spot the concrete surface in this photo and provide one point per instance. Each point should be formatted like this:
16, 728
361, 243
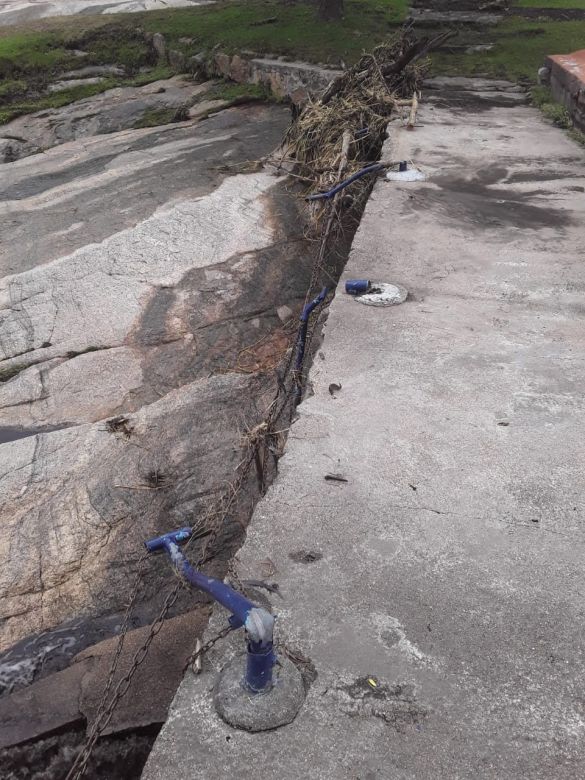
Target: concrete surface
450, 565
459, 90
22, 11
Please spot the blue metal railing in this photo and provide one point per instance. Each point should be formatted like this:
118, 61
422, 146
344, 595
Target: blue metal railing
375, 168
257, 621
302, 336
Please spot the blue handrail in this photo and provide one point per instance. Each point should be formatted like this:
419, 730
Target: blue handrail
342, 185
258, 622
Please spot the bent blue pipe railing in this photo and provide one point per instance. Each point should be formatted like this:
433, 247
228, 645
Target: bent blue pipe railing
342, 185
302, 335
258, 622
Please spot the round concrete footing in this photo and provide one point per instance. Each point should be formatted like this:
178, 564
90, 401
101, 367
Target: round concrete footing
258, 711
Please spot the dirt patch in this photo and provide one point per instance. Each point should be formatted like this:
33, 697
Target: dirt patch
305, 556
395, 704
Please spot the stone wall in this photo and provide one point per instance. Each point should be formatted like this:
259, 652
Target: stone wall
566, 75
294, 81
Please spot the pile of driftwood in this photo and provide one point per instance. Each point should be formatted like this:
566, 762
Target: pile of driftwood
344, 130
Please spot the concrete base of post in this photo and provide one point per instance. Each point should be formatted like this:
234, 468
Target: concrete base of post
261, 711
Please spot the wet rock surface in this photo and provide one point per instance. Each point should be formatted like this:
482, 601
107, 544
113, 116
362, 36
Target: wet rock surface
146, 294
68, 698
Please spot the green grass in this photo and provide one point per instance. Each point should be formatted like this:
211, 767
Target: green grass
17, 108
230, 23
39, 55
161, 116
54, 100
36, 56
558, 114
519, 50
12, 88
227, 90
157, 73
296, 32
577, 135
25, 53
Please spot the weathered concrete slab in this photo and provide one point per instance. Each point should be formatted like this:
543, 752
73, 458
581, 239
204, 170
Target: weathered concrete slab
450, 566
454, 17
459, 90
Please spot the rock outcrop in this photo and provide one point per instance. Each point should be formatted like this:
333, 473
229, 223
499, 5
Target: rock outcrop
109, 112
140, 311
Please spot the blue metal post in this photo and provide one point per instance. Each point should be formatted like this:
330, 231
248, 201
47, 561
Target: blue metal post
302, 336
257, 621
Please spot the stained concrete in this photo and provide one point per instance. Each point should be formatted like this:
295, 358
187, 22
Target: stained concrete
449, 567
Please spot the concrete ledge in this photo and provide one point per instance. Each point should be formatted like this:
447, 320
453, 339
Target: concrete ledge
567, 83
437, 594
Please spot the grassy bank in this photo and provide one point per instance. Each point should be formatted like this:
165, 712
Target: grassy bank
48, 46
25, 97
270, 26
33, 57
519, 47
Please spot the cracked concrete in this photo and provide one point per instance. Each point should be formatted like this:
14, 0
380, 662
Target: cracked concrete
449, 566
